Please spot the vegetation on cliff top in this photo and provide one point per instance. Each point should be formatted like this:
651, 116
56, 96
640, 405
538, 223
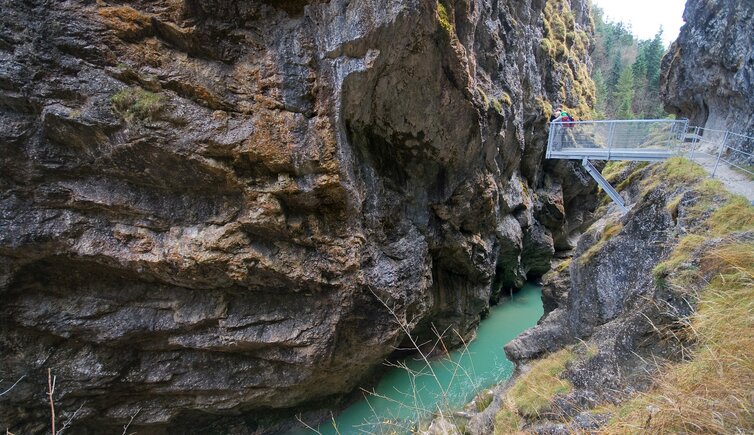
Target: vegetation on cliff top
711, 393
713, 264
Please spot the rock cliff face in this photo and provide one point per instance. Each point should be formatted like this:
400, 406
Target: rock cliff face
609, 300
204, 204
708, 74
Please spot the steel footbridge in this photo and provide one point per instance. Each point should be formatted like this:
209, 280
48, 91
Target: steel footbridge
648, 140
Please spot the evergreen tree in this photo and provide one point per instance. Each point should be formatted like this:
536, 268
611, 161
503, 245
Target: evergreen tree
614, 76
600, 105
654, 52
619, 58
624, 94
640, 67
642, 99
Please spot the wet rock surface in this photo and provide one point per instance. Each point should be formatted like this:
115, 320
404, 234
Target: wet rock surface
204, 203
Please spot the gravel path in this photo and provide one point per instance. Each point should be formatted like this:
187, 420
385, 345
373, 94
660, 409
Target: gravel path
735, 181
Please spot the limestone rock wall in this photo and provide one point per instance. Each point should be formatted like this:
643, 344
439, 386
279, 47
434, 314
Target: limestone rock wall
708, 74
205, 203
609, 301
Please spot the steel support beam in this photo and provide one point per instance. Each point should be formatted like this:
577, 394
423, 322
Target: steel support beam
604, 184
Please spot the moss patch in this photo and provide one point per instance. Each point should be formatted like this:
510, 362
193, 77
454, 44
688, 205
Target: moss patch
564, 265
614, 168
485, 99
567, 43
499, 107
633, 176
136, 103
444, 19
611, 230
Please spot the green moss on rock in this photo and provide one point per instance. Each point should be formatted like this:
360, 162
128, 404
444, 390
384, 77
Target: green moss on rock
137, 103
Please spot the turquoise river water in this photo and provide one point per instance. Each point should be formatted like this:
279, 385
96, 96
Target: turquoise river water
405, 396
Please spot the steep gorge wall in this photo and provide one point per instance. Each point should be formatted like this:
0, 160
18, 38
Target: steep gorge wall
204, 201
708, 74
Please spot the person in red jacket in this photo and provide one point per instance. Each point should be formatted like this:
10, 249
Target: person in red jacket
564, 139
566, 119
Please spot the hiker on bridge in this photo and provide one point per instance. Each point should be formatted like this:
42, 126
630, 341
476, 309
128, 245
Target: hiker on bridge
560, 120
566, 119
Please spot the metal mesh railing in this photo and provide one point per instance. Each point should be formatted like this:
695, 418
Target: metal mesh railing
725, 155
708, 145
639, 137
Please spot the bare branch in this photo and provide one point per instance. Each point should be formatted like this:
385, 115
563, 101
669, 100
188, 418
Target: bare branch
298, 417
334, 423
405, 329
12, 386
70, 420
125, 428
50, 390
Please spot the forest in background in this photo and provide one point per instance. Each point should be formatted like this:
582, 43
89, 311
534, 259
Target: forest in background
626, 71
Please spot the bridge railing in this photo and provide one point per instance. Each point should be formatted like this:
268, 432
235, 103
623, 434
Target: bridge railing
712, 147
646, 139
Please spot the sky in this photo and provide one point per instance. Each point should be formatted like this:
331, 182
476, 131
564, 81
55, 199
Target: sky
646, 16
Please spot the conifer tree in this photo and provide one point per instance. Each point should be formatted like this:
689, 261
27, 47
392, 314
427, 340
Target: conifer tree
620, 59
624, 94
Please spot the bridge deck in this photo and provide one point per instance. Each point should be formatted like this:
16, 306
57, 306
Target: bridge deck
651, 140
646, 140
647, 155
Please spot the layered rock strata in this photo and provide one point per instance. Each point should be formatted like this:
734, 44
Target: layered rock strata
207, 206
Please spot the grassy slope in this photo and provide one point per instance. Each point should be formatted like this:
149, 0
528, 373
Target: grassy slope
712, 392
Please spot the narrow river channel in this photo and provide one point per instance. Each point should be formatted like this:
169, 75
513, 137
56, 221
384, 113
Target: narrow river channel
414, 393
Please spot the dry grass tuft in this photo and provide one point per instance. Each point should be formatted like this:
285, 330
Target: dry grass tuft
681, 170
713, 392
674, 172
532, 394
507, 420
736, 215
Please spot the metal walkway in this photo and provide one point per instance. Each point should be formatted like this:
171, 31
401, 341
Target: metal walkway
652, 140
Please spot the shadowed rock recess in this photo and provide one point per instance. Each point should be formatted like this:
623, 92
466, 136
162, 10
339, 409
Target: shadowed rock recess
708, 75
202, 201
